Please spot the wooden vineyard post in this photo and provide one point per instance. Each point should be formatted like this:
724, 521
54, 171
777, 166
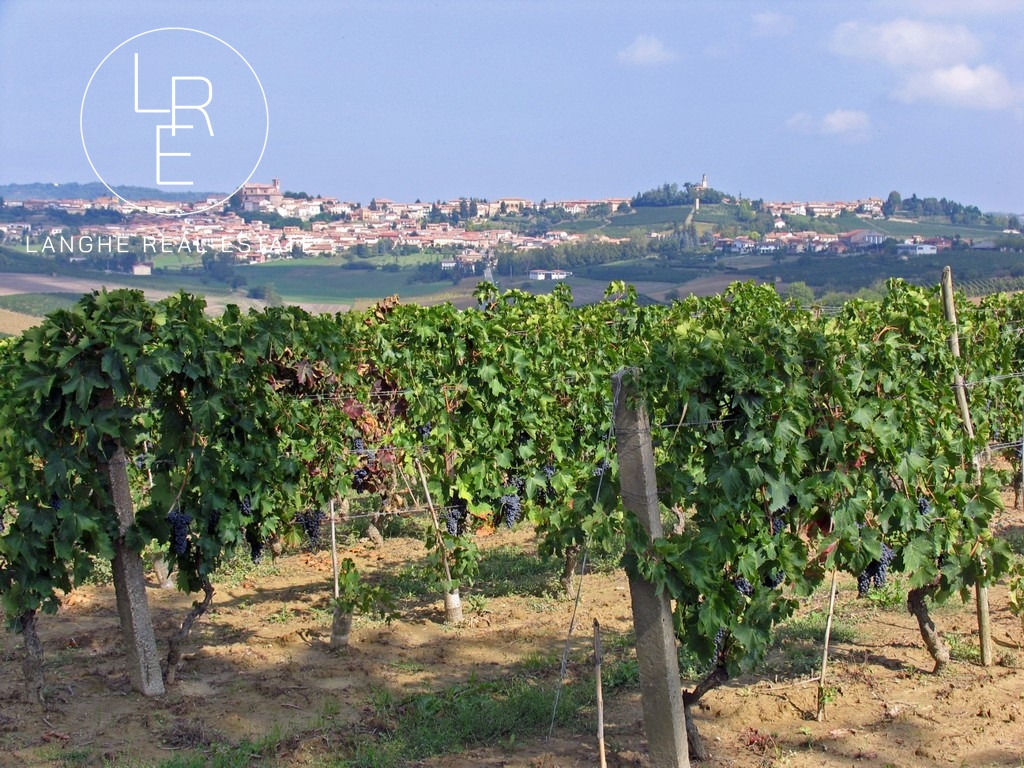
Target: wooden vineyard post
452, 601
660, 688
130, 578
822, 688
980, 591
600, 694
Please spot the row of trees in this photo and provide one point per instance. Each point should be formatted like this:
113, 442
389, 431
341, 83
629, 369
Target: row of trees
671, 194
957, 213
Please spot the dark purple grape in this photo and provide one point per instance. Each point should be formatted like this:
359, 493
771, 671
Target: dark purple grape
312, 521
773, 580
455, 517
245, 506
601, 468
743, 586
924, 506
179, 521
777, 525
720, 640
424, 430
511, 510
882, 569
55, 502
864, 583
361, 480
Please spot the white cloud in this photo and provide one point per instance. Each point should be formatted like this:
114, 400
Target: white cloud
645, 51
771, 24
981, 87
961, 9
851, 123
848, 124
906, 43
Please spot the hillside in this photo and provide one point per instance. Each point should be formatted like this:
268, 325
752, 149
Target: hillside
75, 191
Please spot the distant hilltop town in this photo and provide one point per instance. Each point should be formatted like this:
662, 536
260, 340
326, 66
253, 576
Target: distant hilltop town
261, 222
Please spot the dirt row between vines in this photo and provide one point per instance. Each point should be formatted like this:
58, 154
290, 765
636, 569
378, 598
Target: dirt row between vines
259, 665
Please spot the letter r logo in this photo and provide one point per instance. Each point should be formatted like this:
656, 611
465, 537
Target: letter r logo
168, 136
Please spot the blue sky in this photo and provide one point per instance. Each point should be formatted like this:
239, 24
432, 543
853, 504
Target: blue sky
545, 99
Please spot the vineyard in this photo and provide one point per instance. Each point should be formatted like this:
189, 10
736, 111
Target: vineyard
788, 447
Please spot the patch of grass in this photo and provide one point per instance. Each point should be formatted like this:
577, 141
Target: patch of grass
810, 627
797, 644
239, 567
891, 597
69, 757
412, 582
284, 615
38, 304
963, 648
408, 666
476, 713
508, 570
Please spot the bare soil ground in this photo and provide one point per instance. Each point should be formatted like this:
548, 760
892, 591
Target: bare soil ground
259, 664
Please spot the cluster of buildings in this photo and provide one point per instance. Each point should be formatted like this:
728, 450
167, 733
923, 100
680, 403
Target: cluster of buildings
869, 207
822, 242
384, 225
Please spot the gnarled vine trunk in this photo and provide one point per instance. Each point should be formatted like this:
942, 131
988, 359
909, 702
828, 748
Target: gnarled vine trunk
32, 666
181, 635
572, 559
717, 676
917, 604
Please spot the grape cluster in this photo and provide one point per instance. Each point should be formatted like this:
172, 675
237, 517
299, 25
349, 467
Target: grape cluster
455, 517
245, 506
55, 502
361, 480
924, 506
359, 446
601, 468
773, 580
719, 640
211, 527
547, 494
876, 572
424, 430
743, 586
179, 531
312, 521
511, 509
256, 550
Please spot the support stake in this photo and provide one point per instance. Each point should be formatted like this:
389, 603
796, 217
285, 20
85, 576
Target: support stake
660, 689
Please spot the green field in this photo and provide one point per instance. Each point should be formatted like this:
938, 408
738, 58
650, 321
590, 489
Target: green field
323, 281
654, 217
37, 304
901, 229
